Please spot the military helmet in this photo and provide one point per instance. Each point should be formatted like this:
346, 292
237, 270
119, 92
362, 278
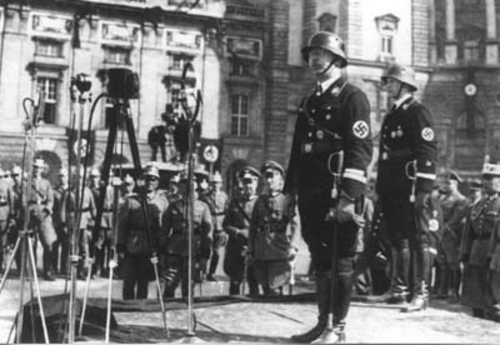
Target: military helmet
39, 163
129, 180
403, 74
152, 170
328, 41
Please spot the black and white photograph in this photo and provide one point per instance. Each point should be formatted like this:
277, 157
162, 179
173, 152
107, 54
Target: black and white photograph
250, 171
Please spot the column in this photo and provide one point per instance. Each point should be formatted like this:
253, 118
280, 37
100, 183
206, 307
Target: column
491, 31
451, 42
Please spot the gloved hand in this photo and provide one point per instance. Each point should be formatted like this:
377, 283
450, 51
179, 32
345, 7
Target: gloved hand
422, 199
345, 212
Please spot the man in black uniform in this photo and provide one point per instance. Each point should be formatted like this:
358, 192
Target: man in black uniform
333, 118
406, 174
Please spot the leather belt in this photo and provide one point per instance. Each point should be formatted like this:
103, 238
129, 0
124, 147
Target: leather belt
318, 147
482, 236
3, 204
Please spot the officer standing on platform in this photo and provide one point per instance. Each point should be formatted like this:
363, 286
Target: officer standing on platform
335, 117
237, 225
217, 200
40, 205
274, 232
174, 241
406, 174
132, 239
475, 245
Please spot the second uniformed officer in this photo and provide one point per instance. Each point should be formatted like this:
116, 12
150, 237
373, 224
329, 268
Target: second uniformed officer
333, 118
133, 242
406, 174
174, 240
274, 232
41, 202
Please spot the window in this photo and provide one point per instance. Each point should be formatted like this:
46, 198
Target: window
117, 55
241, 67
387, 26
239, 115
49, 48
49, 88
178, 61
386, 45
471, 51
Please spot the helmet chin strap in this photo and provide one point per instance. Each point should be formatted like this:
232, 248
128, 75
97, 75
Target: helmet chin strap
327, 68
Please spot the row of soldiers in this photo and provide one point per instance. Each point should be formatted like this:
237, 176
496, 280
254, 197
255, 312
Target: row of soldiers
259, 232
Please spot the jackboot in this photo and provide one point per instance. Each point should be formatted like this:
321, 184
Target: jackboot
47, 265
421, 273
332, 335
323, 293
454, 294
398, 290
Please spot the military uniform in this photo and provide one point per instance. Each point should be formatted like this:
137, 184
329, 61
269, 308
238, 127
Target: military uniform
406, 174
237, 225
132, 241
274, 232
61, 231
474, 247
103, 242
494, 255
69, 211
6, 213
40, 206
217, 201
333, 118
17, 219
174, 243
455, 208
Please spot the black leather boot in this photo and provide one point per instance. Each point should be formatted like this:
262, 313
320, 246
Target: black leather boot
398, 291
421, 273
323, 293
332, 335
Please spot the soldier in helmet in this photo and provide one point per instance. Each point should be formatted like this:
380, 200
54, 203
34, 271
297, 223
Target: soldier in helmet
40, 206
334, 117
217, 201
475, 246
406, 174
274, 232
132, 239
174, 245
237, 225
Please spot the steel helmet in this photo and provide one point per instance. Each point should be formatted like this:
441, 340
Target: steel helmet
327, 41
403, 74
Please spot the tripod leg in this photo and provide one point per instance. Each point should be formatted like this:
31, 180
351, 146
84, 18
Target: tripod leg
85, 299
37, 287
9, 264
154, 261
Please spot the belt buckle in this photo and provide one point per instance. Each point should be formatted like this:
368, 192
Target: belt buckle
307, 148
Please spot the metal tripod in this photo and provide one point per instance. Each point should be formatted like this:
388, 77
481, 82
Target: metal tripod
122, 110
24, 241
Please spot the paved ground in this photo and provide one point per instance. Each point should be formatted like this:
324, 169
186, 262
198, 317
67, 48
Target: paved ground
270, 322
